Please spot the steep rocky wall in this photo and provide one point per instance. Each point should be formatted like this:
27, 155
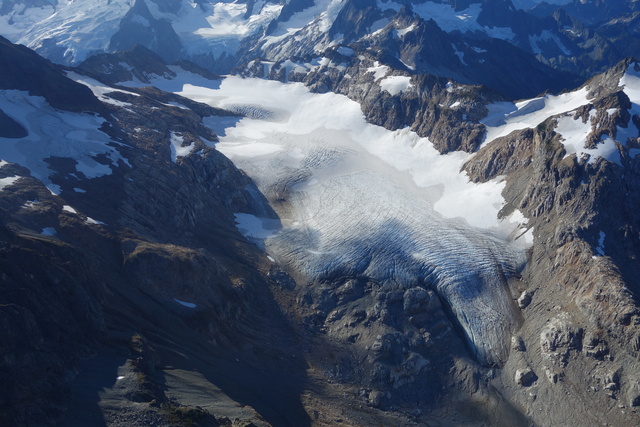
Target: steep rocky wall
578, 344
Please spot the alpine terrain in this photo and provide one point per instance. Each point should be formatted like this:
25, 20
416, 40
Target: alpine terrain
319, 213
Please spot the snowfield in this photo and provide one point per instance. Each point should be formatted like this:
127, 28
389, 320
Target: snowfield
505, 117
54, 133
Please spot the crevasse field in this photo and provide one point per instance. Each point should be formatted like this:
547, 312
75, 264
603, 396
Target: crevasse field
357, 199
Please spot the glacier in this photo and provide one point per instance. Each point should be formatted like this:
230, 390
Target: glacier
357, 199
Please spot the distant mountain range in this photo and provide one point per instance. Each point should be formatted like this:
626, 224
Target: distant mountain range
519, 52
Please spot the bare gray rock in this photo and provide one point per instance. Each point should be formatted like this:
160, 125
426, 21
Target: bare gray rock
525, 376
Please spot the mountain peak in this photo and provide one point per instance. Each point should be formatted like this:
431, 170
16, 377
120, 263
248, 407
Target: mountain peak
22, 69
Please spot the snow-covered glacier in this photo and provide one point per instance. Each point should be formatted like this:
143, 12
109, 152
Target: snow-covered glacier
357, 199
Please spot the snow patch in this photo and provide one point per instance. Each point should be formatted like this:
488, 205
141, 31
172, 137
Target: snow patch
175, 83
403, 32
249, 149
521, 234
138, 19
600, 248
506, 117
177, 150
251, 226
67, 208
410, 67
378, 70
10, 180
574, 135
55, 133
464, 20
389, 5
92, 221
185, 304
530, 4
346, 51
459, 54
631, 83
546, 36
396, 84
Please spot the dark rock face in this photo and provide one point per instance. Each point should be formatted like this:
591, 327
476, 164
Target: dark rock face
22, 69
139, 63
493, 63
593, 12
9, 128
355, 19
509, 68
139, 27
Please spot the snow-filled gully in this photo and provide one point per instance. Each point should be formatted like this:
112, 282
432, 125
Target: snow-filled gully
356, 199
